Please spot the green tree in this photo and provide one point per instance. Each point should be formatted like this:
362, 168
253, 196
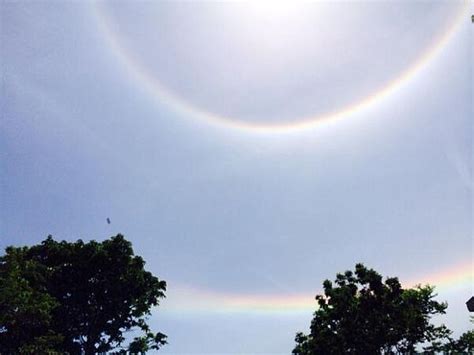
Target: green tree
361, 314
25, 306
463, 345
76, 298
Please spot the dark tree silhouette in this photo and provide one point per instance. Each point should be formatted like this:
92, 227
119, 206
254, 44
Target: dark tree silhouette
76, 298
361, 314
463, 345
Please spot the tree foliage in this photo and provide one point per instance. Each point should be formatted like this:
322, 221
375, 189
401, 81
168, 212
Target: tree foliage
463, 345
362, 314
76, 298
25, 306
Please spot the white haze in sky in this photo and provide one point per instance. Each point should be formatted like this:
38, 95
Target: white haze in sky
228, 211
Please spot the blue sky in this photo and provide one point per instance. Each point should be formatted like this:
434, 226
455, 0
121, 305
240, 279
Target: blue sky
213, 206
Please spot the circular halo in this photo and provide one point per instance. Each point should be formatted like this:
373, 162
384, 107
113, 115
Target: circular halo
154, 86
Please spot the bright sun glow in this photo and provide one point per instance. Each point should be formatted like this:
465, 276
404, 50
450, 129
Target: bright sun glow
273, 10
282, 12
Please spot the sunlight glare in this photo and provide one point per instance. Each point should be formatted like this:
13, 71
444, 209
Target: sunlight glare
273, 10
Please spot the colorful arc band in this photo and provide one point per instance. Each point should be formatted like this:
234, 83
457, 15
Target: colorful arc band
156, 88
185, 299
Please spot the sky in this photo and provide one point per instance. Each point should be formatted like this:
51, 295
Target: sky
248, 150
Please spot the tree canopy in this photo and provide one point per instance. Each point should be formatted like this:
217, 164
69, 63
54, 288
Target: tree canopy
76, 298
362, 314
463, 345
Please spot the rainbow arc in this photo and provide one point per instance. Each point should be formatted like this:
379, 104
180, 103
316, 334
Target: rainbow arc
187, 299
158, 90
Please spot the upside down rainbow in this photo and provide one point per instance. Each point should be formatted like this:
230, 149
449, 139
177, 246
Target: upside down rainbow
155, 87
194, 300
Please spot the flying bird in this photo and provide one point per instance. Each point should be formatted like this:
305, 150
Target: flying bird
108, 220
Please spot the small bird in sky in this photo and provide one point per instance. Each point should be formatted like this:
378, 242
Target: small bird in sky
108, 220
